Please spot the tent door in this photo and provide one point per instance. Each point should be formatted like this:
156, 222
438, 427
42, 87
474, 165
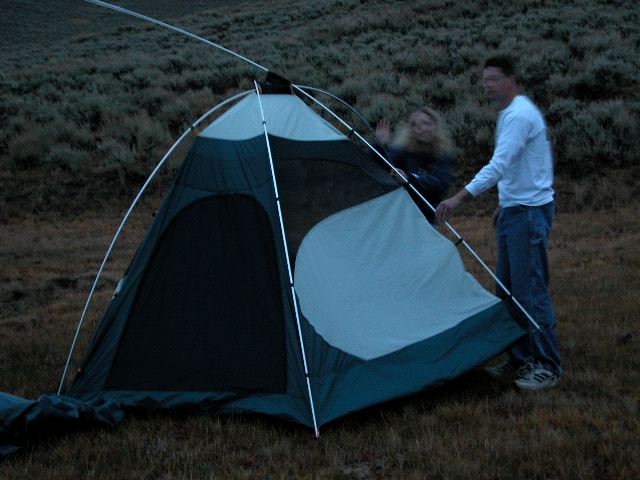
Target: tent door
208, 313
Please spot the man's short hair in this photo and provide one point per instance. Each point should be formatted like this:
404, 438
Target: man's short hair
502, 62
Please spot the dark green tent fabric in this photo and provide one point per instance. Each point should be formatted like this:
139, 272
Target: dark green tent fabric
23, 422
343, 383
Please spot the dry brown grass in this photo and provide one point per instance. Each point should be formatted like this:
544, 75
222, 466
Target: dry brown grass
473, 427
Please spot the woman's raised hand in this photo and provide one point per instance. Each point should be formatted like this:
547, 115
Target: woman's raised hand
383, 131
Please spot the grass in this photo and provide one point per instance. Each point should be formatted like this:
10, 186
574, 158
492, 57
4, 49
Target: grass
474, 426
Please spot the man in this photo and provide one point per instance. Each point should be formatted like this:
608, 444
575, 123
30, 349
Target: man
522, 167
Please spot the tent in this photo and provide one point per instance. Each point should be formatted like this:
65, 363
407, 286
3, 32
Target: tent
287, 274
380, 305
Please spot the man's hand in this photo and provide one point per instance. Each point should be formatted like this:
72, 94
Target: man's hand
446, 207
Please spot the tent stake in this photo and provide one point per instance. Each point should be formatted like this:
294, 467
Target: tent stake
415, 190
286, 252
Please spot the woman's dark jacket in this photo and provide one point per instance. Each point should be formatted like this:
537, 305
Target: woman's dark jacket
431, 174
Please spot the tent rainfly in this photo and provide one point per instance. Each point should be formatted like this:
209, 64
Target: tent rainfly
286, 274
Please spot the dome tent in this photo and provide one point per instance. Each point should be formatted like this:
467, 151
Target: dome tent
380, 305
286, 274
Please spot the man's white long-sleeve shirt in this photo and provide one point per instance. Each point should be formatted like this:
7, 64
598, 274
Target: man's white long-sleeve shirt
522, 162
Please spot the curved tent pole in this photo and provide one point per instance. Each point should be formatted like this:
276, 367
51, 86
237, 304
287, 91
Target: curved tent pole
415, 190
124, 220
335, 97
316, 431
175, 29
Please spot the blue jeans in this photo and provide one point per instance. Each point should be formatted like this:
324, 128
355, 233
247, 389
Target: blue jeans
522, 267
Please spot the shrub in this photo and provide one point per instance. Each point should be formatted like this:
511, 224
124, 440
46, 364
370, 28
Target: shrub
137, 80
152, 100
442, 91
35, 145
380, 105
173, 65
561, 110
150, 135
605, 77
492, 35
546, 59
198, 102
468, 124
13, 127
559, 86
422, 59
113, 153
597, 137
195, 80
176, 115
65, 157
28, 150
587, 45
116, 156
77, 137
10, 106
219, 82
376, 108
50, 93
90, 111
353, 88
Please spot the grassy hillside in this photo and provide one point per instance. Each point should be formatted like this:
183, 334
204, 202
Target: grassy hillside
102, 107
31, 25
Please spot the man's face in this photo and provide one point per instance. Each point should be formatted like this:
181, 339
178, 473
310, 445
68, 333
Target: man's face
497, 85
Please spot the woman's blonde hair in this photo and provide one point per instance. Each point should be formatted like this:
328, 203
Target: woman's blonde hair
441, 144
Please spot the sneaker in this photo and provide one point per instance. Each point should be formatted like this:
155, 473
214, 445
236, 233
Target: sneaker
539, 378
507, 369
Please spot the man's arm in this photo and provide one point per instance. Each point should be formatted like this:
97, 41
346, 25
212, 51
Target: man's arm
511, 141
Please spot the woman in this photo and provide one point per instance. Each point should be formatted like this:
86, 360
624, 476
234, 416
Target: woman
422, 153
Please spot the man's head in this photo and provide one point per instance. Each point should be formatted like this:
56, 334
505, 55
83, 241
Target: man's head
499, 80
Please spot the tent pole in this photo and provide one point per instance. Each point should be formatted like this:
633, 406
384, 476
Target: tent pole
175, 29
415, 190
358, 114
124, 220
286, 252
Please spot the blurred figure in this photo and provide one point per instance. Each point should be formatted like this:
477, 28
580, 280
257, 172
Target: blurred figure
421, 151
